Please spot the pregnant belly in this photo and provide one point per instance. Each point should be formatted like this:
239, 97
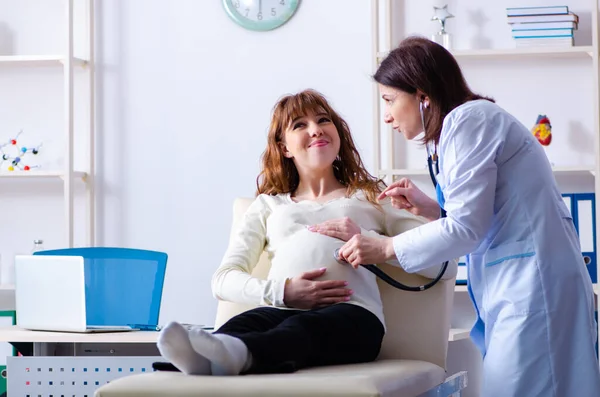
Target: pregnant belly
306, 251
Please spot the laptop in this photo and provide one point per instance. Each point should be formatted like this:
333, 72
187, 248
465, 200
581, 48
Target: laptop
50, 295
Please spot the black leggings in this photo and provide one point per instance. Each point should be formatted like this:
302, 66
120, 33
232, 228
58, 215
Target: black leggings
283, 340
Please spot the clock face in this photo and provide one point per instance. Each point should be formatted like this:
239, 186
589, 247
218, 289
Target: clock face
260, 14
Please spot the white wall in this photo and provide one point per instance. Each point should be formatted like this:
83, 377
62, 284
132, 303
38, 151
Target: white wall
184, 103
184, 97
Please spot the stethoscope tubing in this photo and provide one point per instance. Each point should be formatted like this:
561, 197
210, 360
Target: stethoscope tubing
431, 162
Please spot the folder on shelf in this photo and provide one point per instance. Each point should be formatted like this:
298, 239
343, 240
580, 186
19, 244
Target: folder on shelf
586, 225
461, 275
582, 207
568, 202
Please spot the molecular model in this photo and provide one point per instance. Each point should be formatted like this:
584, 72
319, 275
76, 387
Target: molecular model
15, 161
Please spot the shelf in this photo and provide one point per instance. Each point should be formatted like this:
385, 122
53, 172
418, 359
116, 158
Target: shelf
37, 60
573, 170
458, 334
40, 174
562, 52
424, 171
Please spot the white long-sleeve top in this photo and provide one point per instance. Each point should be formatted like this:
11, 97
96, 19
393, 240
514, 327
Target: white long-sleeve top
278, 225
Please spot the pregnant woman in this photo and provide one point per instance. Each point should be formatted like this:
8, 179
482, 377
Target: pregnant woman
313, 195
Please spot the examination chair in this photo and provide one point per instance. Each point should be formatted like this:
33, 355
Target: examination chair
411, 363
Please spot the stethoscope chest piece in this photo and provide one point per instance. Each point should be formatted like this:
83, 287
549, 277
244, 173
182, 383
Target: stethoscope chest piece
336, 255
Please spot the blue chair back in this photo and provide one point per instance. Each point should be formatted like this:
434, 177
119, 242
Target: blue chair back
123, 286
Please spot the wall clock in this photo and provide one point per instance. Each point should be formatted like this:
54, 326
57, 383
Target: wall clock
260, 15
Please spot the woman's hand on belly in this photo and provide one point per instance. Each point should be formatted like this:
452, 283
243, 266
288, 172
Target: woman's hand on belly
302, 292
343, 228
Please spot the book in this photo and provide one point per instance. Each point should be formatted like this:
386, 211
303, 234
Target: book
544, 18
543, 25
544, 42
543, 33
550, 10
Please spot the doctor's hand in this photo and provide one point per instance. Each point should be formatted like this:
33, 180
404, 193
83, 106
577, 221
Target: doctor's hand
406, 195
361, 250
342, 228
302, 292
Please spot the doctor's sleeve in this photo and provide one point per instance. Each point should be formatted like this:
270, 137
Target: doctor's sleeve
233, 280
468, 151
401, 221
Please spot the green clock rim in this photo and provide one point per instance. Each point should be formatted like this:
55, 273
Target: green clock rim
260, 26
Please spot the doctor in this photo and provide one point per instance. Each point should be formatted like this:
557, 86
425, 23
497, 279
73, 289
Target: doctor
526, 275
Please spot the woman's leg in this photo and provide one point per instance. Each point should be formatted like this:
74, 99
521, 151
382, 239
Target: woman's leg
337, 334
256, 320
177, 345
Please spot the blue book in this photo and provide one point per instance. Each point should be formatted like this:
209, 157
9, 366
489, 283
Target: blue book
543, 26
550, 10
542, 33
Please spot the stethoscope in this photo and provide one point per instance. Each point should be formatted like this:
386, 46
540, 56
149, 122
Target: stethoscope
432, 164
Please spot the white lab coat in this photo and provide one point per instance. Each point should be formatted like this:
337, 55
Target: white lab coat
526, 275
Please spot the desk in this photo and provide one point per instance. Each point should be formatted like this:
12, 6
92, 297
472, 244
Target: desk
133, 343
76, 364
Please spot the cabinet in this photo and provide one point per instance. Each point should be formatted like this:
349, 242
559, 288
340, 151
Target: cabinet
74, 109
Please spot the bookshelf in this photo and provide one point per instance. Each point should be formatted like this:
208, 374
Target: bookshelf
385, 32
69, 64
394, 158
533, 52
